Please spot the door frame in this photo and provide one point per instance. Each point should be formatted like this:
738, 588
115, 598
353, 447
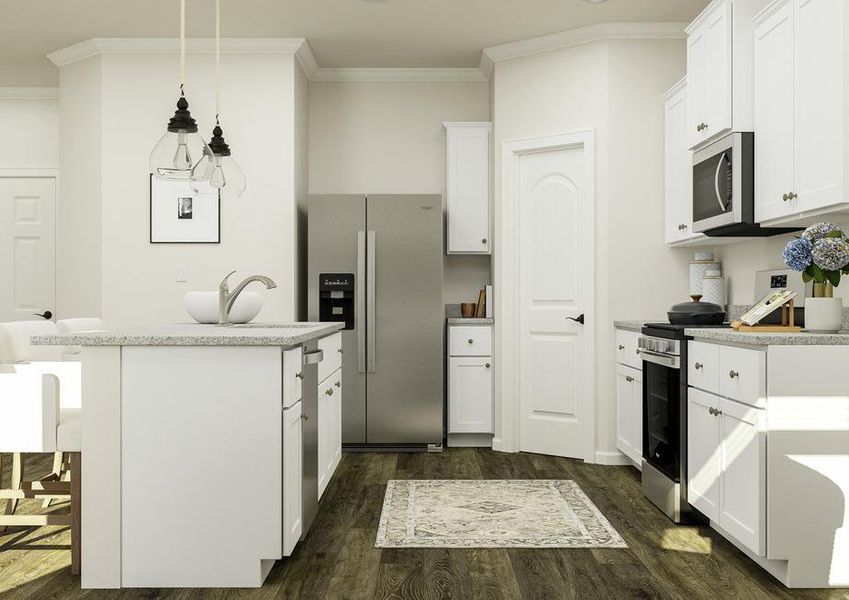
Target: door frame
508, 324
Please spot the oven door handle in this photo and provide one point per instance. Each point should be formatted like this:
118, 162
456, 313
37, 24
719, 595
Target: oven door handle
722, 159
657, 358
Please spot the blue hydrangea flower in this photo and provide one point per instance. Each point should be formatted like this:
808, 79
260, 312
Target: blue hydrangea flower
831, 254
818, 231
798, 253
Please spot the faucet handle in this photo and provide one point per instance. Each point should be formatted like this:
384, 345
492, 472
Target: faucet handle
223, 285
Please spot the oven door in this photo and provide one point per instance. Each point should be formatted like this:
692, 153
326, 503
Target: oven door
715, 194
662, 418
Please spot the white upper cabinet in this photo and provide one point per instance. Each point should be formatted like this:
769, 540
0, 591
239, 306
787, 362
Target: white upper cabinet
678, 168
468, 187
800, 110
709, 73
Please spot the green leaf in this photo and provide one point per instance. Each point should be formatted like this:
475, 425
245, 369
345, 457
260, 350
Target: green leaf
806, 276
833, 277
819, 275
834, 234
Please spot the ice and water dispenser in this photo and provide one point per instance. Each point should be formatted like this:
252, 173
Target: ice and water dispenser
336, 298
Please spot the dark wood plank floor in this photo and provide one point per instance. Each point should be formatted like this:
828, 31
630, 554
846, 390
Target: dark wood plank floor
339, 560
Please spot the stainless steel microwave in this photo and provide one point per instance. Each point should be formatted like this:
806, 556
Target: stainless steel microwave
724, 186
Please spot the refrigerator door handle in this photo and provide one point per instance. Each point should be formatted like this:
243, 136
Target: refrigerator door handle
360, 300
370, 301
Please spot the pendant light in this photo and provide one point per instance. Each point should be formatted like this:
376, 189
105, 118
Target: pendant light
174, 156
223, 170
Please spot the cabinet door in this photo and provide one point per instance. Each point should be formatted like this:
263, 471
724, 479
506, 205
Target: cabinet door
696, 86
625, 410
468, 188
335, 449
678, 168
703, 443
743, 457
293, 375
820, 102
292, 476
718, 100
469, 395
327, 394
637, 425
774, 111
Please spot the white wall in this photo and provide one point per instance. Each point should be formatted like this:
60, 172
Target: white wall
616, 89
30, 131
136, 96
387, 138
302, 142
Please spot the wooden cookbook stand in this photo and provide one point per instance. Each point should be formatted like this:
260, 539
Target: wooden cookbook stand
787, 323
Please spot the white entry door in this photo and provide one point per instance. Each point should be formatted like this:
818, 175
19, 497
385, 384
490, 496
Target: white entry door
555, 278
27, 247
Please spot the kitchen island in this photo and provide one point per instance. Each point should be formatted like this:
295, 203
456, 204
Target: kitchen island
192, 450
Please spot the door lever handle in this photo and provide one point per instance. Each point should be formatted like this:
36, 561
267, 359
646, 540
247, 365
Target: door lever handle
579, 319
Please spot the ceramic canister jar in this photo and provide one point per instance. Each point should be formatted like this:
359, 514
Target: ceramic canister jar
714, 288
699, 268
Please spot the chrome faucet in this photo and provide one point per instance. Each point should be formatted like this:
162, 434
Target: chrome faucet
226, 299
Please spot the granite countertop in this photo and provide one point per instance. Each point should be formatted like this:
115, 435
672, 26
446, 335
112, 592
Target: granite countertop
194, 334
635, 325
470, 321
770, 339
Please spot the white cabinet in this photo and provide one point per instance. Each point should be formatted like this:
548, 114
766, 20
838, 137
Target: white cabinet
678, 168
629, 412
293, 375
709, 74
470, 398
726, 466
468, 188
329, 428
800, 93
626, 348
293, 464
470, 403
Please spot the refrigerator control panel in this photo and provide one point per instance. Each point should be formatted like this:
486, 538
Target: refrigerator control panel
336, 298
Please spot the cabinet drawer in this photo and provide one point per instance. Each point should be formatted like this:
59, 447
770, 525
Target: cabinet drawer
293, 373
703, 366
470, 340
332, 348
626, 348
742, 375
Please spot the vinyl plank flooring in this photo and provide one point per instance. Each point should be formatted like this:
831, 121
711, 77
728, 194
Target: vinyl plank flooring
338, 560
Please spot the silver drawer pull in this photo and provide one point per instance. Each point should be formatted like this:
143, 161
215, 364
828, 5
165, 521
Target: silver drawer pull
628, 378
299, 374
340, 350
338, 384
733, 374
314, 357
304, 418
329, 391
621, 347
471, 341
699, 365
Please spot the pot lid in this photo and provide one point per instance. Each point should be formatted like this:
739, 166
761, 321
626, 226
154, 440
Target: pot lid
696, 308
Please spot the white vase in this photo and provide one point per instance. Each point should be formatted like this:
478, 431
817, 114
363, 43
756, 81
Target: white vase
824, 315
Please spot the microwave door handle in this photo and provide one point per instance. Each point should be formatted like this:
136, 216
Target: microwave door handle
722, 159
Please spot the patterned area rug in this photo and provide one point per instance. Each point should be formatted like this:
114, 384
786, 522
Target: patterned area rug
490, 513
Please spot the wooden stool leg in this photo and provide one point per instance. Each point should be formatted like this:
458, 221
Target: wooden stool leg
14, 484
76, 512
55, 474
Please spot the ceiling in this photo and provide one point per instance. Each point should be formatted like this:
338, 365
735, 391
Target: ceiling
341, 33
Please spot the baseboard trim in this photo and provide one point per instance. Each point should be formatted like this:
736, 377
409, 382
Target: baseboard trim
615, 458
470, 440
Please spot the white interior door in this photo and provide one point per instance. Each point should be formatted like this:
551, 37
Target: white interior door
555, 262
27, 246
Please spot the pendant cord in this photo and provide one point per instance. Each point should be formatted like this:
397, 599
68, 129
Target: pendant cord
217, 59
182, 45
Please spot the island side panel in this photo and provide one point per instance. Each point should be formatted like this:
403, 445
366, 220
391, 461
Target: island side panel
101, 467
808, 463
202, 465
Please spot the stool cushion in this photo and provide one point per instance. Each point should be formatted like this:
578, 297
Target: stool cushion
15, 344
68, 433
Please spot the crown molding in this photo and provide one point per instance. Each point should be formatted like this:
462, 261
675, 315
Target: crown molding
29, 93
307, 59
582, 35
101, 46
399, 74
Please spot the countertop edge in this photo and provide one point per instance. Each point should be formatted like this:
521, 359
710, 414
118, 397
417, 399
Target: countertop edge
769, 339
633, 325
470, 320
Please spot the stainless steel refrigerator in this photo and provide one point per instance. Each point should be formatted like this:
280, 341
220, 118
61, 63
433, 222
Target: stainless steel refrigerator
375, 263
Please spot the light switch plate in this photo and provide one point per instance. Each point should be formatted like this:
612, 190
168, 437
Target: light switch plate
182, 273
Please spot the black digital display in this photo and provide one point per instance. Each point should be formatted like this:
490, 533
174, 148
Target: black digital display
778, 281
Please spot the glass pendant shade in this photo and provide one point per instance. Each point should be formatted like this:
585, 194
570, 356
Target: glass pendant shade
224, 172
178, 155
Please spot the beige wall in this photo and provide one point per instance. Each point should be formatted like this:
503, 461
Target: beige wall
614, 88
387, 138
121, 104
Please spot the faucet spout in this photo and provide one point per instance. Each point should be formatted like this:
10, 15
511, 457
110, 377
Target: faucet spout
226, 298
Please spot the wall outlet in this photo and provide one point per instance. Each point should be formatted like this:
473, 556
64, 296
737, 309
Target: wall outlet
182, 273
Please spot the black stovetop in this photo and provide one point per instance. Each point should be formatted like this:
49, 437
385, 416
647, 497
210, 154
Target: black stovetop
670, 330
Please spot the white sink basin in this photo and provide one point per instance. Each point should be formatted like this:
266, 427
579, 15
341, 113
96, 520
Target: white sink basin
203, 307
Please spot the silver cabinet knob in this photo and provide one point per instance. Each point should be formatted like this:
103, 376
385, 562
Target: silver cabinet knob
471, 341
338, 384
621, 347
628, 378
304, 418
329, 391
487, 365
483, 241
698, 366
792, 196
340, 350
733, 374
684, 226
299, 374
712, 411
785, 197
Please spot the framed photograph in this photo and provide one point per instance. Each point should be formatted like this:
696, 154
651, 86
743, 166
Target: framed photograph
179, 215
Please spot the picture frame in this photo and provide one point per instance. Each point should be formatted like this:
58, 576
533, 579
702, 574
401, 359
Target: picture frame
180, 215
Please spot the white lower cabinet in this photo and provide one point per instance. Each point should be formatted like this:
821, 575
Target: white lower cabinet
470, 403
329, 428
629, 412
292, 477
726, 466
